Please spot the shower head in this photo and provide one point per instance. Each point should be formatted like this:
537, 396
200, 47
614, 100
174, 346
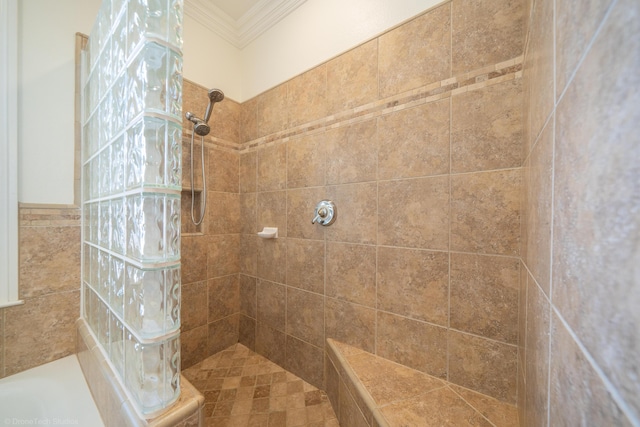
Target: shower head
201, 126
215, 95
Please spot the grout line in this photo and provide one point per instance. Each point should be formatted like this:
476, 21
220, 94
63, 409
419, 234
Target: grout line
468, 403
587, 50
609, 386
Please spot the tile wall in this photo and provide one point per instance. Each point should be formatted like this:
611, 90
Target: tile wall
210, 252
43, 328
580, 288
416, 136
577, 242
404, 133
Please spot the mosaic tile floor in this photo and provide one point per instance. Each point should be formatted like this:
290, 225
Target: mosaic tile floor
244, 389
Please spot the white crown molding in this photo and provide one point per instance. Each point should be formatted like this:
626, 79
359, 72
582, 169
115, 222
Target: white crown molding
250, 26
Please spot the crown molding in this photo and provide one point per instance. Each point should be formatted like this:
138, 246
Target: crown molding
250, 26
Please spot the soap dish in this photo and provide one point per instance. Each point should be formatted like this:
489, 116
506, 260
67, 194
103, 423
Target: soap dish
269, 233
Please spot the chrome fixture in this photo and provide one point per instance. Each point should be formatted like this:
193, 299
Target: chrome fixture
201, 127
325, 213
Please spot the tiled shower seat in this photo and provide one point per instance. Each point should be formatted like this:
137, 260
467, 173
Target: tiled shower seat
367, 390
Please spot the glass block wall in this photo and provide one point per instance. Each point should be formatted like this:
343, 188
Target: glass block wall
132, 105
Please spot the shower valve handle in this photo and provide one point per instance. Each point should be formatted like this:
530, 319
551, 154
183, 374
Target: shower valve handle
320, 215
325, 213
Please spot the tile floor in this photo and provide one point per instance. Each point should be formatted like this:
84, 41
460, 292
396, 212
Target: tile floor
244, 389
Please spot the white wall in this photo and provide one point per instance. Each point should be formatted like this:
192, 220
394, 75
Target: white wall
315, 32
46, 68
211, 61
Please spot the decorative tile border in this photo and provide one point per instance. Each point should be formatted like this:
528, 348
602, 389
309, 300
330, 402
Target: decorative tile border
49, 216
477, 79
210, 142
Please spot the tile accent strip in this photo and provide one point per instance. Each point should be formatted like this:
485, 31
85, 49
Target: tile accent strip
474, 80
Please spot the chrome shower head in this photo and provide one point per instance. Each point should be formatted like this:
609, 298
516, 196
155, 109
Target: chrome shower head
216, 95
201, 126
202, 129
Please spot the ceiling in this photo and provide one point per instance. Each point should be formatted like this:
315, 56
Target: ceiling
239, 21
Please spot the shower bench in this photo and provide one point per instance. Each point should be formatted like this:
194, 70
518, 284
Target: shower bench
368, 390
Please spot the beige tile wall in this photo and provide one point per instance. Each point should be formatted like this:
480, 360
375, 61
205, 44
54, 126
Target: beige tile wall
418, 141
210, 252
581, 228
42, 329
425, 172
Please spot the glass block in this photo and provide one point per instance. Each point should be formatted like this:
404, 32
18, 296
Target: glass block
104, 284
145, 227
172, 299
93, 223
174, 156
152, 68
94, 182
116, 9
146, 143
127, 75
106, 69
86, 223
94, 45
176, 8
90, 136
119, 105
174, 84
156, 19
118, 225
104, 226
103, 325
147, 80
104, 174
117, 277
144, 301
135, 24
104, 23
116, 184
104, 125
135, 92
94, 308
119, 37
86, 263
86, 184
172, 369
95, 267
172, 227
89, 130
152, 385
116, 344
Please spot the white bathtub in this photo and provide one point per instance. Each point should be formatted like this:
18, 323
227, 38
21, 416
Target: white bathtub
51, 394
